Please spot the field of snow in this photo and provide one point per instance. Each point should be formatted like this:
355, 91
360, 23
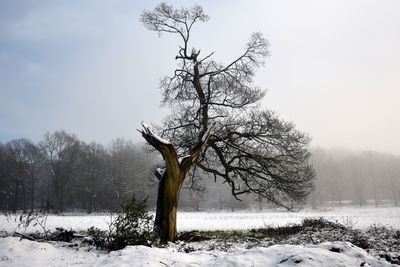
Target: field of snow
15, 252
356, 217
21, 252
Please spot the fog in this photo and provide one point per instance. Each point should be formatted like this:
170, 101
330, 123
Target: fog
91, 68
99, 177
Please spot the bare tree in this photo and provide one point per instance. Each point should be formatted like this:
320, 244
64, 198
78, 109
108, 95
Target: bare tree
391, 177
22, 163
218, 127
123, 172
93, 172
33, 167
373, 172
61, 151
15, 159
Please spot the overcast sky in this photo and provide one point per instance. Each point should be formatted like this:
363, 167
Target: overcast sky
91, 68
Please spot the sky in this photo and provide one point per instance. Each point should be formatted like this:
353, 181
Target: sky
91, 68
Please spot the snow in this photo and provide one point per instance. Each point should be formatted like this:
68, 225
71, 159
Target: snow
207, 132
186, 221
155, 136
159, 139
182, 158
22, 252
350, 216
76, 222
160, 171
16, 252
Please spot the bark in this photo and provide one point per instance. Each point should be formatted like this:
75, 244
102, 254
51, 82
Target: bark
168, 195
167, 205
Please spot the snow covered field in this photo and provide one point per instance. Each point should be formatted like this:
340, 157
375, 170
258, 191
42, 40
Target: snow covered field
16, 252
27, 253
356, 217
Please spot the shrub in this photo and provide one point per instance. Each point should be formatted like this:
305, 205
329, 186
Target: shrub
133, 226
321, 223
360, 240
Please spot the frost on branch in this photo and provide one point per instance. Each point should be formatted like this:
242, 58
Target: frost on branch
152, 137
183, 158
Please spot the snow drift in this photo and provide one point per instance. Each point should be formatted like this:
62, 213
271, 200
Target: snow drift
16, 252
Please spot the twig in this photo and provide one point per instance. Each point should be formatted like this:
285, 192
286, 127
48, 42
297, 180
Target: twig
24, 236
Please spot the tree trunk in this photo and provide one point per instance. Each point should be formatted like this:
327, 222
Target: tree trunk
375, 194
58, 198
170, 182
260, 206
23, 198
197, 205
220, 201
314, 200
59, 201
167, 205
16, 196
394, 193
32, 195
168, 195
90, 206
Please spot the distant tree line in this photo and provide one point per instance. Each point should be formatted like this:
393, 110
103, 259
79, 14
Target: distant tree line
342, 178
345, 177
62, 173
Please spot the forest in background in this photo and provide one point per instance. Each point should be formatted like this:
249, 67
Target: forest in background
62, 173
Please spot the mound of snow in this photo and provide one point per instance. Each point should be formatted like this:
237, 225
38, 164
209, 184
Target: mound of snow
16, 252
